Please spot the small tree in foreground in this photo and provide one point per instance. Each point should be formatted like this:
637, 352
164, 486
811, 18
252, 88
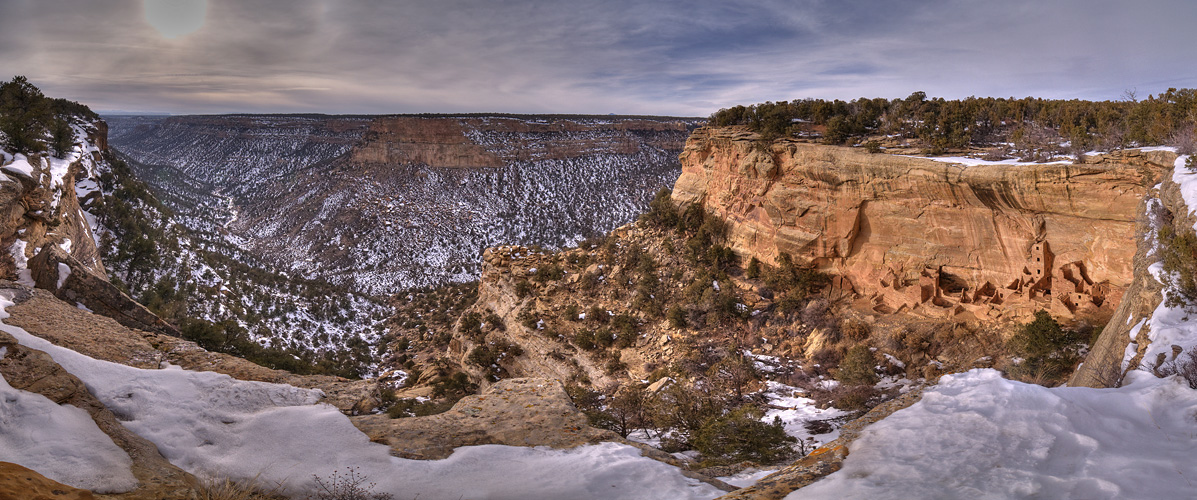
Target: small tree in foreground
741, 435
1048, 351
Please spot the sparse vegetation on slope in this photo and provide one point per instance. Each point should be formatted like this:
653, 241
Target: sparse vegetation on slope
221, 298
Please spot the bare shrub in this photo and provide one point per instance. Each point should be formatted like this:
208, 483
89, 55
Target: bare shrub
352, 485
1184, 139
855, 330
1185, 367
227, 489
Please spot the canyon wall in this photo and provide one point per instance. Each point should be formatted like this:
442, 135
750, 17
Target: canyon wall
1132, 339
932, 237
384, 203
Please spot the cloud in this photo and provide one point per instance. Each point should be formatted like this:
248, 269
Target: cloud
691, 58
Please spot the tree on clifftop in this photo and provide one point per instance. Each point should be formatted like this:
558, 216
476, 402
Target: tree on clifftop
24, 112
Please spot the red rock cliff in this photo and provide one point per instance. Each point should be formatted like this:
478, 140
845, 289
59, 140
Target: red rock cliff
929, 236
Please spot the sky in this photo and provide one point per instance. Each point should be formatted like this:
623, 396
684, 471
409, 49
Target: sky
682, 57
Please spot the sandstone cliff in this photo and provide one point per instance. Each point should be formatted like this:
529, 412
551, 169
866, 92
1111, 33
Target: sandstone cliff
41, 198
1125, 340
933, 237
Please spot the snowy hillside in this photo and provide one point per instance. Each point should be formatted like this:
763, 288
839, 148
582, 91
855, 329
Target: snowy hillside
422, 226
284, 189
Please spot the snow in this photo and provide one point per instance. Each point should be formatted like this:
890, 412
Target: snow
64, 272
20, 163
62, 443
208, 423
973, 162
17, 250
1187, 180
1158, 148
794, 411
1168, 327
977, 435
85, 187
747, 478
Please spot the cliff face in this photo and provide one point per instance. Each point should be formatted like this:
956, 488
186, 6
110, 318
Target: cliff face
48, 232
937, 238
433, 142
41, 198
1127, 342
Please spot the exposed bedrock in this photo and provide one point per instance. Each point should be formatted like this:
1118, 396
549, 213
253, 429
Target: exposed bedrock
927, 235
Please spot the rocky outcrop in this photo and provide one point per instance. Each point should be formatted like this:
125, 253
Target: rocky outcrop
515, 412
932, 237
1125, 339
101, 337
40, 205
503, 268
54, 270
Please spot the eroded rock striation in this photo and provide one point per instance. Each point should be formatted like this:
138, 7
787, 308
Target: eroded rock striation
932, 237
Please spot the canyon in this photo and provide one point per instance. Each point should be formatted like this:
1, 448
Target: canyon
380, 204
907, 243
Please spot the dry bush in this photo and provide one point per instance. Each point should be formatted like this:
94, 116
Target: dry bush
1184, 139
856, 398
350, 485
855, 330
227, 489
1185, 367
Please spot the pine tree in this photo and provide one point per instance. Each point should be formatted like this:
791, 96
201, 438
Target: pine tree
24, 113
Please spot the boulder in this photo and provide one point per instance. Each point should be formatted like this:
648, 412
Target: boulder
70, 280
514, 412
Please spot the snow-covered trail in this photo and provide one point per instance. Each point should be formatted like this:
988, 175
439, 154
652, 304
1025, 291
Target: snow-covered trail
212, 424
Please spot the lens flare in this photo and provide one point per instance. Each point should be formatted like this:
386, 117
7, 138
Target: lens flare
175, 18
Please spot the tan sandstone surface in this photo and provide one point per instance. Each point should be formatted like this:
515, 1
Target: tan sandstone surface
517, 412
937, 238
20, 483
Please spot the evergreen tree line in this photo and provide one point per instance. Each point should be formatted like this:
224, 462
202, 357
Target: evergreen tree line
1167, 118
33, 123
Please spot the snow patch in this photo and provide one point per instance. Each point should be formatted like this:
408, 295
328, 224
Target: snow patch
17, 250
64, 272
62, 443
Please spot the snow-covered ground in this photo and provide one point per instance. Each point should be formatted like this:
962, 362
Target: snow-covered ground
211, 424
977, 435
795, 411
